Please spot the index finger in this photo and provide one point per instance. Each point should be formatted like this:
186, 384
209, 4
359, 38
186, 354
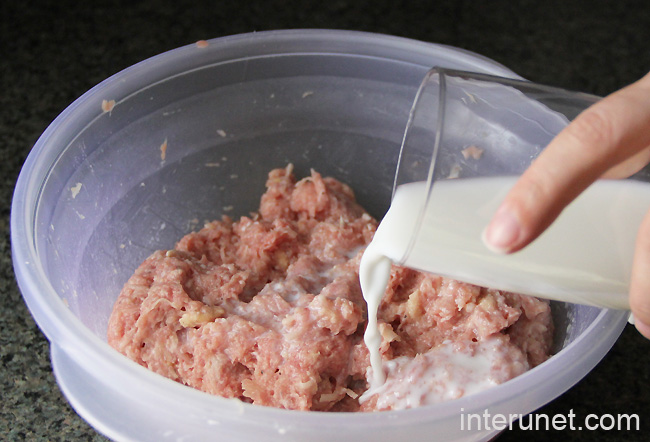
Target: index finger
611, 132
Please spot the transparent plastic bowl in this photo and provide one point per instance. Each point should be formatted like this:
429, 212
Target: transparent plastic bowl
97, 195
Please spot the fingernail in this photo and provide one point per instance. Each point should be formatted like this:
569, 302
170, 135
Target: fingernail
642, 327
502, 232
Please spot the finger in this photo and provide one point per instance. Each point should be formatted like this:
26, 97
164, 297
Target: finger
608, 133
640, 279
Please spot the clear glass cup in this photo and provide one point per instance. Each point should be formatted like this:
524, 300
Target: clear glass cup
468, 138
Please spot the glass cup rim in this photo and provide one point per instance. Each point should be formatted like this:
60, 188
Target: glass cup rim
443, 73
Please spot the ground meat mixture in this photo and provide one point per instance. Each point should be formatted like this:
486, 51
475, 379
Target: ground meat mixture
268, 309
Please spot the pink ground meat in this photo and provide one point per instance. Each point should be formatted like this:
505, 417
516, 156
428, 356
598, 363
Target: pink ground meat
268, 309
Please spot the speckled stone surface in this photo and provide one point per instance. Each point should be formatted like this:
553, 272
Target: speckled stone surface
54, 51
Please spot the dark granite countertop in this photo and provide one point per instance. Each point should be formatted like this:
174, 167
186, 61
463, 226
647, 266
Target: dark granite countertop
53, 51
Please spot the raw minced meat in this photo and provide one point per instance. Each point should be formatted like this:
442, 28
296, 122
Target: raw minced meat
268, 309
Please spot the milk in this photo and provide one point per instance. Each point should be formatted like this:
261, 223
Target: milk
446, 372
585, 256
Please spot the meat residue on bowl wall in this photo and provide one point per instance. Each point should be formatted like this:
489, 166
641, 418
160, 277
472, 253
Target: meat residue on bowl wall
268, 309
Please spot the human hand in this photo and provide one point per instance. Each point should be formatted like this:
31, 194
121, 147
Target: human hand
611, 139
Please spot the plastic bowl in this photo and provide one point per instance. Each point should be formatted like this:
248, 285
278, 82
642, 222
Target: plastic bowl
98, 193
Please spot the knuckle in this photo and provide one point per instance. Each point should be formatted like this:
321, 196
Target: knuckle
535, 199
534, 188
594, 130
538, 185
539, 198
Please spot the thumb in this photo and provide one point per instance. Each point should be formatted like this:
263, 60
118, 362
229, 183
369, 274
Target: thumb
640, 280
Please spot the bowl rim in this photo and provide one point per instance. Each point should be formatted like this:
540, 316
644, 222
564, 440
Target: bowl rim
66, 332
